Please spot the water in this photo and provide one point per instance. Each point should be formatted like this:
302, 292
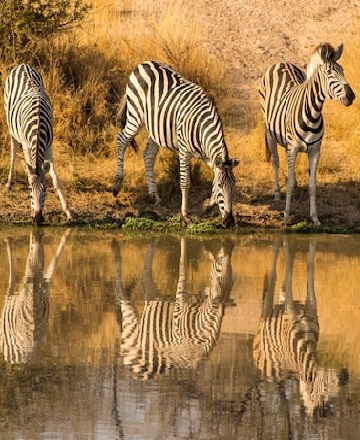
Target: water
109, 337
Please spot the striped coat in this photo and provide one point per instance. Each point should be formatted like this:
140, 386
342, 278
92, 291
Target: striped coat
29, 118
24, 318
285, 345
292, 103
172, 333
180, 116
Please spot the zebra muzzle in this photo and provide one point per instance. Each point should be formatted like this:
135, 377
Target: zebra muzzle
349, 96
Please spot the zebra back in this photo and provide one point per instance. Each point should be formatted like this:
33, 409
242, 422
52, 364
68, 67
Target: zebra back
29, 113
171, 334
178, 115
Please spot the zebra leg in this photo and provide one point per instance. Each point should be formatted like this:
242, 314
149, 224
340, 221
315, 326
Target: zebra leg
291, 154
14, 148
147, 279
149, 155
287, 291
310, 304
269, 283
314, 155
48, 275
271, 144
56, 182
125, 137
11, 285
122, 143
184, 184
181, 288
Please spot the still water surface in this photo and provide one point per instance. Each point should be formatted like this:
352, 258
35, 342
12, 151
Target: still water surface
103, 336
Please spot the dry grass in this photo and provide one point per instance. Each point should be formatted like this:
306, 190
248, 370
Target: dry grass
85, 73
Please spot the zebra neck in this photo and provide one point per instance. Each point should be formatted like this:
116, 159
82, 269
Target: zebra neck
315, 93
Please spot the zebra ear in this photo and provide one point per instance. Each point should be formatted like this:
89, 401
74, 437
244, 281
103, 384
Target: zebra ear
235, 162
337, 53
324, 52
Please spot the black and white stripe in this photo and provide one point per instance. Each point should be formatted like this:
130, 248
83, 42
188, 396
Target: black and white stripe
172, 333
285, 346
292, 103
178, 115
29, 117
24, 318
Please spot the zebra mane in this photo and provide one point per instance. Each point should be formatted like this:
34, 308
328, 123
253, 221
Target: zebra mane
316, 59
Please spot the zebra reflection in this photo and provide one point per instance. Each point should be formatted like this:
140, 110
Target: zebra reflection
172, 333
25, 314
286, 341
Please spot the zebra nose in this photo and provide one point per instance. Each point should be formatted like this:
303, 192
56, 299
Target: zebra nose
228, 220
349, 94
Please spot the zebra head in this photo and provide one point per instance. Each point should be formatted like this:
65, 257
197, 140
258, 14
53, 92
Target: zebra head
320, 387
223, 188
334, 83
37, 185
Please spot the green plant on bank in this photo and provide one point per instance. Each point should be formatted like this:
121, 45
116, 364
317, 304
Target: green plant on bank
305, 227
143, 224
174, 223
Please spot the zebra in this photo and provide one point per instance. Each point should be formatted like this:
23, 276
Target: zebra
172, 333
180, 116
285, 344
24, 318
29, 117
291, 102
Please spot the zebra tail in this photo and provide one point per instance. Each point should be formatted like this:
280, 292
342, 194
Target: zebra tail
122, 115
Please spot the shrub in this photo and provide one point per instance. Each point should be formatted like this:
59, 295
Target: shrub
23, 22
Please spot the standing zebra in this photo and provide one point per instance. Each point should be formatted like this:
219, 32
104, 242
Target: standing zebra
292, 103
172, 333
24, 318
178, 115
286, 341
29, 117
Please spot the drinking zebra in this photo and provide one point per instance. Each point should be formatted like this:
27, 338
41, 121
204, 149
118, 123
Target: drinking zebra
24, 318
292, 103
286, 341
172, 333
178, 115
29, 118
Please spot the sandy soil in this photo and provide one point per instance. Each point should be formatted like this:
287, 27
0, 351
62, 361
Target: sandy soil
338, 206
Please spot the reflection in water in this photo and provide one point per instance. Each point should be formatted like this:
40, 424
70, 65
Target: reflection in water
25, 314
207, 382
172, 333
286, 340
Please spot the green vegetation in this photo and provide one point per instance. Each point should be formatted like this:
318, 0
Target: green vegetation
24, 24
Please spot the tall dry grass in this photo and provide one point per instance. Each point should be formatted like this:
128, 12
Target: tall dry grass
86, 70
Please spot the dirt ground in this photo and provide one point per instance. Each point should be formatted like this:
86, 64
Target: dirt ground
93, 204
302, 26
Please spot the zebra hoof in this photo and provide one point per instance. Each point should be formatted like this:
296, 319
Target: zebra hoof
115, 191
116, 187
38, 219
228, 220
207, 206
187, 219
315, 221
